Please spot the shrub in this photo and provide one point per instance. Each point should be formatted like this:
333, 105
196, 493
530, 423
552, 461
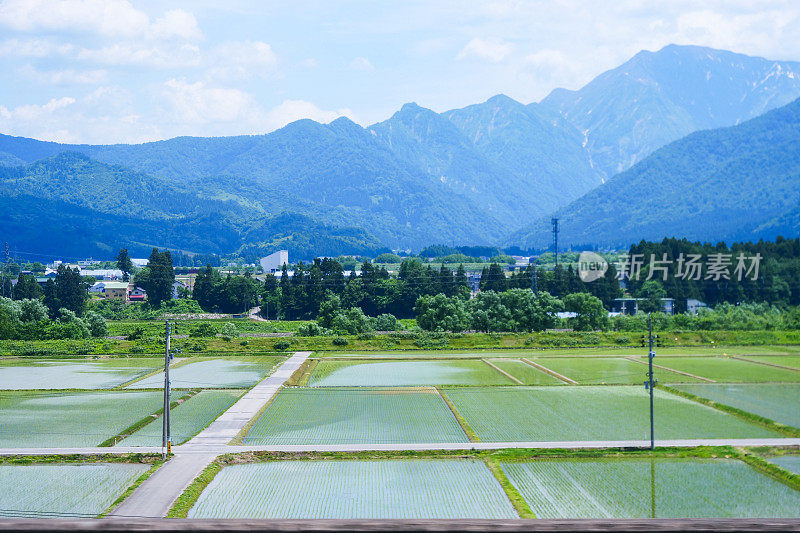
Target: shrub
135, 334
204, 329
229, 331
340, 341
312, 329
96, 324
384, 322
282, 345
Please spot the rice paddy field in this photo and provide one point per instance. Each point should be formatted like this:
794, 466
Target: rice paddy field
213, 373
70, 419
606, 370
332, 373
23, 374
651, 488
729, 370
788, 462
509, 414
186, 420
777, 401
47, 490
526, 373
348, 489
339, 416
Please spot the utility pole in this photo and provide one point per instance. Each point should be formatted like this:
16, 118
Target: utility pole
554, 222
651, 382
166, 438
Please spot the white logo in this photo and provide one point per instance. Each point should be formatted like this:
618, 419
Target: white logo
591, 266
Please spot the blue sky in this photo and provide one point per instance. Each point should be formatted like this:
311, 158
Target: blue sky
107, 71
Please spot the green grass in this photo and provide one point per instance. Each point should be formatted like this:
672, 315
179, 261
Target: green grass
776, 401
409, 489
725, 369
189, 418
792, 361
577, 413
22, 374
338, 416
404, 373
63, 490
213, 373
51, 420
605, 370
524, 372
651, 488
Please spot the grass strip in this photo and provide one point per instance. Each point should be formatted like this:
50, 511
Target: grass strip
145, 458
189, 496
503, 455
465, 427
299, 377
506, 374
239, 438
519, 503
772, 470
765, 363
155, 372
130, 430
768, 423
141, 479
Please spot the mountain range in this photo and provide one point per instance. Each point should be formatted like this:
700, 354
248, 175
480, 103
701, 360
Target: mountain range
475, 175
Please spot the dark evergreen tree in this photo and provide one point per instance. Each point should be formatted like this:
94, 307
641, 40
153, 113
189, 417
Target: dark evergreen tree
27, 287
125, 264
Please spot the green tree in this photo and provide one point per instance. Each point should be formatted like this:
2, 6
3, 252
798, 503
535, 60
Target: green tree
461, 282
489, 313
440, 313
652, 292
97, 324
68, 290
330, 307
27, 288
493, 279
589, 310
158, 277
529, 311
125, 264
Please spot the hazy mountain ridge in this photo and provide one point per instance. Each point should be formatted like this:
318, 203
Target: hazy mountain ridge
740, 182
469, 176
658, 97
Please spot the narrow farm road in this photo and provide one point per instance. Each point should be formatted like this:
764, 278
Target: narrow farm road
154, 497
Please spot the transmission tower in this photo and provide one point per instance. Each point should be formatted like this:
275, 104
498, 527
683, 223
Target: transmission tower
554, 222
6, 254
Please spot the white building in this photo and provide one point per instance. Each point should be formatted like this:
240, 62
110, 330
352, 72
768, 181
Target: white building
274, 262
693, 305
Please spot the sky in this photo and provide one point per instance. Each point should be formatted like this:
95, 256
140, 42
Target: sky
119, 71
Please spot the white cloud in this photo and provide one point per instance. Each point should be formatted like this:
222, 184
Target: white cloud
361, 63
494, 50
65, 76
291, 110
240, 60
175, 23
34, 48
161, 55
199, 103
110, 18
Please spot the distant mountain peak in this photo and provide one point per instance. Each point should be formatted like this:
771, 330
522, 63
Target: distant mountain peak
503, 100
